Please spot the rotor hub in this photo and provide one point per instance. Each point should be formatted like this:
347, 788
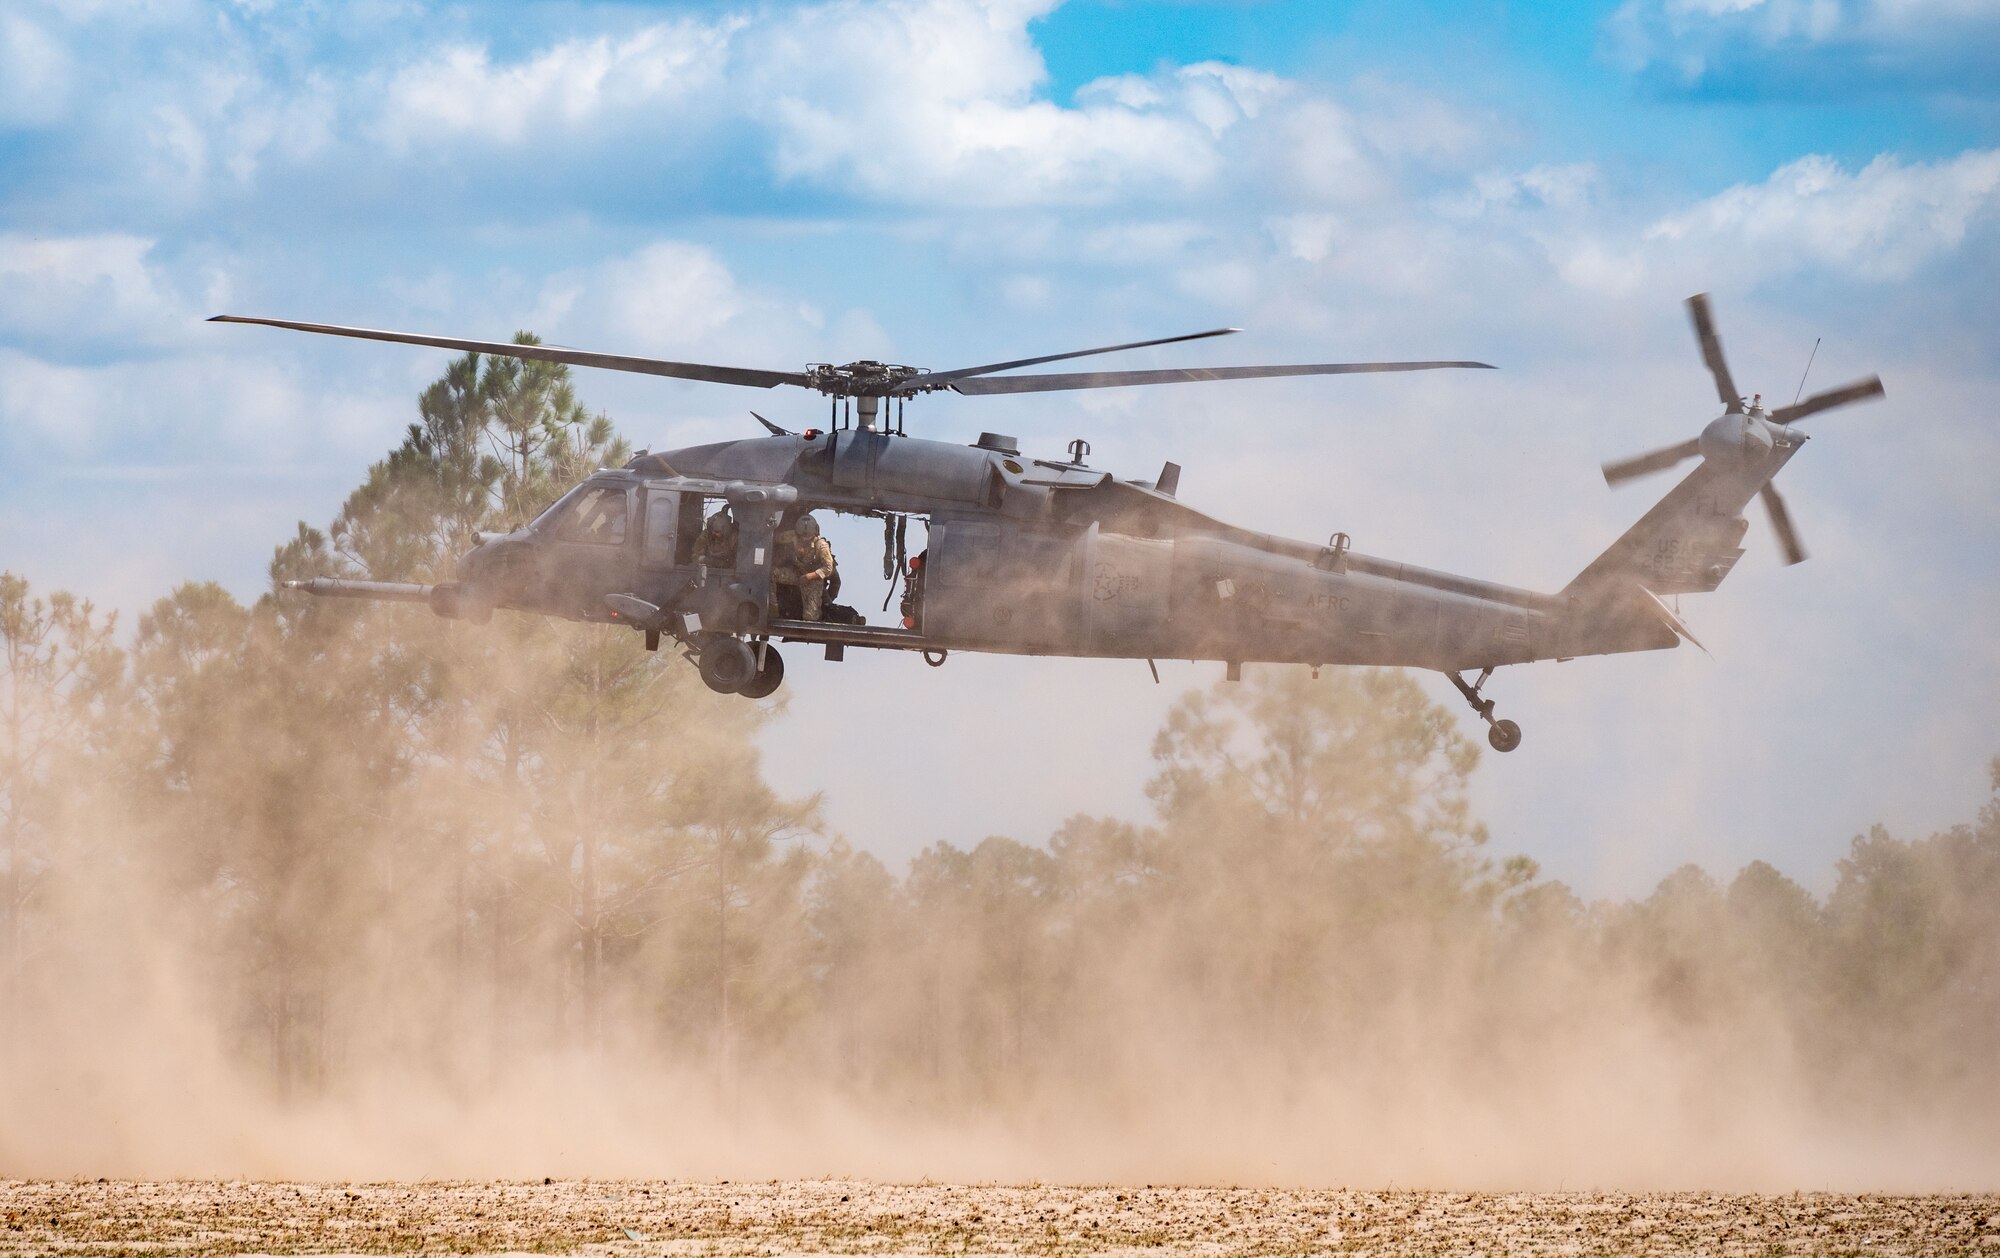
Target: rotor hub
1736, 435
863, 378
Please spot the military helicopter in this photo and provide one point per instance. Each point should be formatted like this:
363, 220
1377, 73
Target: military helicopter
1048, 556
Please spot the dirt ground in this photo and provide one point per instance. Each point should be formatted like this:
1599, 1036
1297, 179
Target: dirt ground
855, 1217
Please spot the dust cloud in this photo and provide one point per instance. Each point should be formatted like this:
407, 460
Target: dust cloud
327, 891
291, 896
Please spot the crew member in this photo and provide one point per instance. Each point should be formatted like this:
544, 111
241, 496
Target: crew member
913, 590
812, 559
716, 547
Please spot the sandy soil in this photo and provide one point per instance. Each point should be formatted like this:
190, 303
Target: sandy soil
854, 1217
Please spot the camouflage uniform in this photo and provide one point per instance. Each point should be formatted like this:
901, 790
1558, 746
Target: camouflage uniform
716, 547
783, 543
813, 565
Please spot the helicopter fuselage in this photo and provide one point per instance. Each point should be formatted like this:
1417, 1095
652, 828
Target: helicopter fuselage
1024, 556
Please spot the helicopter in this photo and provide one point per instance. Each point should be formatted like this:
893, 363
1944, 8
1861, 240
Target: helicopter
1049, 556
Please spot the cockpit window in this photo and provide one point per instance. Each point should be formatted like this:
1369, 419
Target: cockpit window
556, 510
590, 515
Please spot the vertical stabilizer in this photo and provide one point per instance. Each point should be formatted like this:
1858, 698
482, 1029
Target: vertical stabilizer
1687, 544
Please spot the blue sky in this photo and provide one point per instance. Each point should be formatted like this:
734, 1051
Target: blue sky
950, 181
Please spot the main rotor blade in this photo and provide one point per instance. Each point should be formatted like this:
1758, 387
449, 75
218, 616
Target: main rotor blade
1871, 387
1711, 352
1655, 461
1177, 375
1781, 522
960, 373
550, 354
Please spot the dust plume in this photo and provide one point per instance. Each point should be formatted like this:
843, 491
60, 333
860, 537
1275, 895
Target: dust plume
566, 928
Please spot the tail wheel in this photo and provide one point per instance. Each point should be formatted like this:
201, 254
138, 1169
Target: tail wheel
727, 665
768, 678
1505, 736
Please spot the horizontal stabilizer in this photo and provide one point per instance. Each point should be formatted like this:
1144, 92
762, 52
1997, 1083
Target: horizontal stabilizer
1673, 621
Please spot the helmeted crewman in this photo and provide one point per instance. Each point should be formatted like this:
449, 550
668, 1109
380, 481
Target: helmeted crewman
716, 547
812, 559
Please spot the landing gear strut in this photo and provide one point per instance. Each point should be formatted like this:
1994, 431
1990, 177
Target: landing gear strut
1503, 735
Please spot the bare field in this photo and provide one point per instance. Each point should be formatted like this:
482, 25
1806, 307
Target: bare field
858, 1217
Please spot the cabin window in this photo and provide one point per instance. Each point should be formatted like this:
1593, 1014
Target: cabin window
662, 528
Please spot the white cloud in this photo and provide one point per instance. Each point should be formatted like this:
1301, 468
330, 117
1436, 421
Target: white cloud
44, 406
194, 410
1564, 187
979, 137
677, 300
1026, 292
1145, 243
36, 71
1812, 217
460, 92
956, 117
282, 402
932, 104
1880, 223
1324, 158
983, 138
668, 295
178, 98
909, 99
86, 289
1810, 47
1306, 237
1821, 20
260, 121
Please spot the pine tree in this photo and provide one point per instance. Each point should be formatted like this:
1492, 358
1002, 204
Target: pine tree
59, 676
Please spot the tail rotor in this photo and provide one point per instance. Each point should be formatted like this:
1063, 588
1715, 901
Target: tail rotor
1711, 353
1745, 417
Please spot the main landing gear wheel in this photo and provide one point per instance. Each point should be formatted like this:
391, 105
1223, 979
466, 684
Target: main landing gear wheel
727, 665
768, 678
1503, 735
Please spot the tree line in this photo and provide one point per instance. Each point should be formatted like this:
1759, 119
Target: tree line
358, 836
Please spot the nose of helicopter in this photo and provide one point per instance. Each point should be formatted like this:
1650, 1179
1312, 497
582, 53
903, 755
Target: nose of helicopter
486, 576
488, 563
475, 562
